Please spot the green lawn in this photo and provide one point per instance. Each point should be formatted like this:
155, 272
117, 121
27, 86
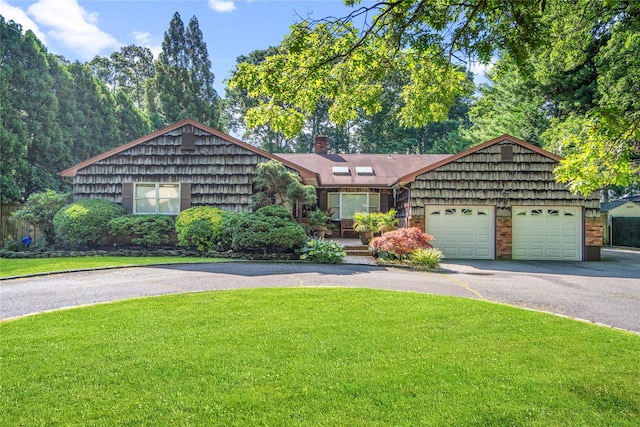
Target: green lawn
10, 267
315, 357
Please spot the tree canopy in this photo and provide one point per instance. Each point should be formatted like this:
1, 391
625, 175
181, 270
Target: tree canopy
53, 114
348, 61
183, 82
391, 76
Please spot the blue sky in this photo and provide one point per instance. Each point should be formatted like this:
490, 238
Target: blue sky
79, 29
82, 29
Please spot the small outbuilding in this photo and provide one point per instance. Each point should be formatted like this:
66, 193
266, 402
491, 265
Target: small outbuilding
622, 222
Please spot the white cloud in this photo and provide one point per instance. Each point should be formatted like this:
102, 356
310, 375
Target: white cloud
12, 13
479, 69
222, 5
144, 39
73, 26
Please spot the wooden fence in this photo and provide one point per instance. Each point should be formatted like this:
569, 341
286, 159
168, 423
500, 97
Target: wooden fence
15, 230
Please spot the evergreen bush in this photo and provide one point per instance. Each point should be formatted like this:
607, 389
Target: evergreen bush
269, 229
84, 223
145, 230
205, 228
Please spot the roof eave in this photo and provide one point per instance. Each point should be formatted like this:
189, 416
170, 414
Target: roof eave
306, 174
411, 177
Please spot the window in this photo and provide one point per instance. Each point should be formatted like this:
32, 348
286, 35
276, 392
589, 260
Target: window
450, 211
333, 203
345, 205
467, 211
155, 198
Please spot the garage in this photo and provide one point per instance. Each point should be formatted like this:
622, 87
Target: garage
547, 233
462, 232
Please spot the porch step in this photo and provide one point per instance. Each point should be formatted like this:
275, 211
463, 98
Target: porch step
357, 253
357, 250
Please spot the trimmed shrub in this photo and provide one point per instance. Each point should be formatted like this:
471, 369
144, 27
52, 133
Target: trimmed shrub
401, 242
83, 223
429, 258
205, 228
40, 209
269, 229
145, 230
323, 251
276, 211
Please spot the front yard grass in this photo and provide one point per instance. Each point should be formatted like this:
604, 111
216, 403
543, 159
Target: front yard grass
315, 357
10, 267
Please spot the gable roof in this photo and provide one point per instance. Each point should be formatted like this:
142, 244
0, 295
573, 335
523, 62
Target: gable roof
385, 169
607, 206
318, 169
631, 198
410, 177
72, 171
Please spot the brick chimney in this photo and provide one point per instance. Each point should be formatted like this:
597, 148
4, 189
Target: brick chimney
321, 144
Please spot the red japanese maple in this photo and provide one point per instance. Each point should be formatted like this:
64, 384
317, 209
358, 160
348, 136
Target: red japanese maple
401, 242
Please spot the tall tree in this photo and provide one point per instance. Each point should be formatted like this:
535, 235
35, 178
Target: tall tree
334, 58
98, 130
594, 65
53, 114
183, 85
507, 105
238, 102
384, 133
32, 143
132, 123
126, 71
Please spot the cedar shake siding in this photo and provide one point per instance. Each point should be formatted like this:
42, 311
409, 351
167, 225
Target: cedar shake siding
501, 173
212, 169
499, 199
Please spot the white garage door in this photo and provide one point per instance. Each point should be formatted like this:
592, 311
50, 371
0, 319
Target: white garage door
464, 232
547, 233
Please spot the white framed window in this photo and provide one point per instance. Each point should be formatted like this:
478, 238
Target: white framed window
156, 198
333, 203
346, 205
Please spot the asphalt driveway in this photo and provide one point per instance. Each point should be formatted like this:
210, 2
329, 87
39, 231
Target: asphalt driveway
606, 292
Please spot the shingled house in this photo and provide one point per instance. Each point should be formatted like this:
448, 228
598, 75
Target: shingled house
498, 200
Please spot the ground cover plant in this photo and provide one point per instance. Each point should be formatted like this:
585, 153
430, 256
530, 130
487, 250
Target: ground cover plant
315, 356
323, 251
11, 267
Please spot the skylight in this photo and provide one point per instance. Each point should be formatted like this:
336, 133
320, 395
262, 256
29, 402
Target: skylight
340, 170
364, 170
